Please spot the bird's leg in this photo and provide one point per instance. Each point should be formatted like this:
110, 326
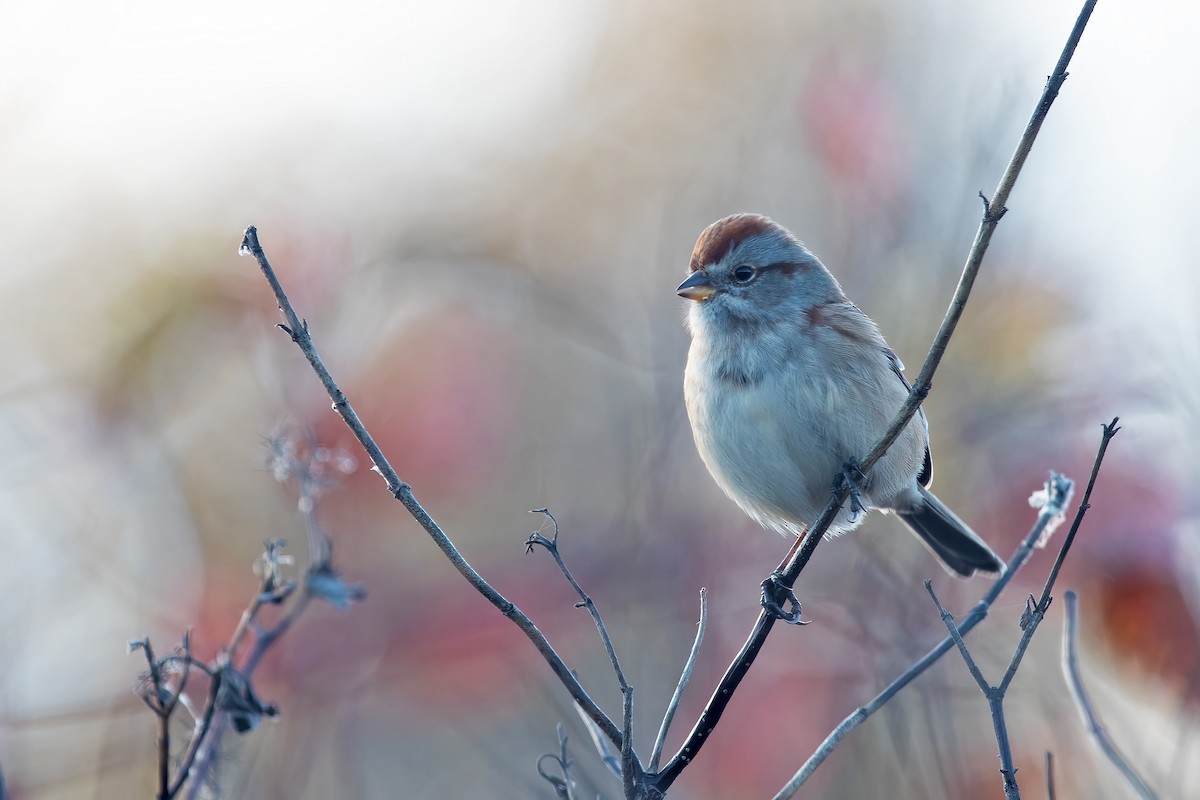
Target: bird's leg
778, 599
853, 478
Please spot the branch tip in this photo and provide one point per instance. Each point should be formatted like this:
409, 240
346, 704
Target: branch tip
249, 244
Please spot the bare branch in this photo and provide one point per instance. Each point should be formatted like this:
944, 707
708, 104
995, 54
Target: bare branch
298, 331
564, 787
184, 773
1057, 495
684, 677
993, 211
631, 771
948, 621
585, 600
1049, 775
231, 700
609, 757
1059, 491
995, 698
631, 768
1035, 612
164, 725
1091, 720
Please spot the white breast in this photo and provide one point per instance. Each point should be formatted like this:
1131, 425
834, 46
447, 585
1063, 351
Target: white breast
775, 441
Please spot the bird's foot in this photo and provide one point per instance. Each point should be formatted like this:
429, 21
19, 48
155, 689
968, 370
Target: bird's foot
780, 601
853, 478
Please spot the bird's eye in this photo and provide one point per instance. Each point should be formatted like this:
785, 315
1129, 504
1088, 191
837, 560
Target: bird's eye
744, 274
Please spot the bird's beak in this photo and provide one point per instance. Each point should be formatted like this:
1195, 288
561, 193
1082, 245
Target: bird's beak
696, 287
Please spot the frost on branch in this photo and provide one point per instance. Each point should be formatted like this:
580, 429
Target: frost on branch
1053, 499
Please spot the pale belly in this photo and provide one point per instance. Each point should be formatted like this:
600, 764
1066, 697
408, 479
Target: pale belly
775, 448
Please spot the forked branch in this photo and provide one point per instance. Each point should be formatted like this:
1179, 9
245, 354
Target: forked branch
789, 572
297, 329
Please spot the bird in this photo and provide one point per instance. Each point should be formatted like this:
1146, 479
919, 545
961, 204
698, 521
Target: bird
787, 383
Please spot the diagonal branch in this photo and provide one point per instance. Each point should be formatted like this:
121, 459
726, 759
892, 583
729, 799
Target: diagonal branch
1058, 492
297, 329
1036, 612
995, 698
993, 211
631, 767
684, 677
1095, 729
585, 600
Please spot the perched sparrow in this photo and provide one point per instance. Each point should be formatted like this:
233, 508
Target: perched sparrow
788, 382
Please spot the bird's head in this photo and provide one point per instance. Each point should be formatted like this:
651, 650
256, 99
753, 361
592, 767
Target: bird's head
748, 271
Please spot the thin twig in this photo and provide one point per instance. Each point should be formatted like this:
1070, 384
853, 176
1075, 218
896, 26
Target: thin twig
198, 760
1058, 495
585, 600
956, 636
1036, 611
155, 701
995, 698
1058, 491
1049, 775
1091, 720
273, 589
230, 696
183, 773
164, 753
564, 760
609, 757
164, 756
269, 636
249, 615
993, 211
684, 677
188, 662
298, 331
564, 787
631, 768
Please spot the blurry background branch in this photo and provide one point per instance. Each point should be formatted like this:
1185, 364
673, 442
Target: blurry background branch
564, 787
1091, 720
231, 700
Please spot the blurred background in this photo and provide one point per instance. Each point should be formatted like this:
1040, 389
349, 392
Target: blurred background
482, 210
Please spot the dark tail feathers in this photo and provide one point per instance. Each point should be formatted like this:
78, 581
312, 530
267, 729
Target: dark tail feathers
959, 549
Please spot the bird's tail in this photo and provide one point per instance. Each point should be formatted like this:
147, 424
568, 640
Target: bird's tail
958, 547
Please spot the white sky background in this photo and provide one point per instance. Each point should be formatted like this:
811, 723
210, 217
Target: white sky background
1116, 169
146, 95
158, 99
151, 111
